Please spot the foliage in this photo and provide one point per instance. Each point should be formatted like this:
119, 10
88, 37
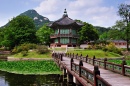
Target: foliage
42, 49
43, 34
112, 48
101, 30
30, 67
124, 13
24, 47
20, 30
24, 53
119, 62
88, 33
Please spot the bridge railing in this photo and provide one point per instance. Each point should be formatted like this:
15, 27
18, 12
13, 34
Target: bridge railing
93, 77
118, 68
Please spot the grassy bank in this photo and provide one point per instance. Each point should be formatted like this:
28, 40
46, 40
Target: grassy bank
97, 53
32, 54
30, 67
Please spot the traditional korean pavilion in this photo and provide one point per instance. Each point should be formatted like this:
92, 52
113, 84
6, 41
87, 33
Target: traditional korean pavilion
65, 32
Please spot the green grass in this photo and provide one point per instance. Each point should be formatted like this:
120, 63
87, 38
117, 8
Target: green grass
119, 61
30, 67
32, 54
97, 53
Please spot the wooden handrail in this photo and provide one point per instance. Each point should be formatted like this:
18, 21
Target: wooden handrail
103, 81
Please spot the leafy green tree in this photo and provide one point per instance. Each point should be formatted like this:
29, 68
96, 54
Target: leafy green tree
1, 35
43, 34
88, 33
20, 30
124, 13
120, 25
103, 36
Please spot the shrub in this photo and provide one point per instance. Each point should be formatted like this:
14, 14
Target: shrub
112, 48
24, 53
24, 47
41, 49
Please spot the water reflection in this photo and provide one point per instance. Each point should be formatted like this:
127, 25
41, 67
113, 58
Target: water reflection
10, 79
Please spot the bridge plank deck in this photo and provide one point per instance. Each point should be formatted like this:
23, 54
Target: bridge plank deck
113, 78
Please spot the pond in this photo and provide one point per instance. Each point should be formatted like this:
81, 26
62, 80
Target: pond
10, 79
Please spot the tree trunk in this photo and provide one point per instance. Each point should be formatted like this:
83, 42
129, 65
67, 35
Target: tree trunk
127, 44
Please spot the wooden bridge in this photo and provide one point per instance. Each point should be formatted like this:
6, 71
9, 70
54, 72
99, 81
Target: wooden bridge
86, 71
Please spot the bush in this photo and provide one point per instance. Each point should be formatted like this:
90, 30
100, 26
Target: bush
41, 49
24, 47
112, 48
24, 53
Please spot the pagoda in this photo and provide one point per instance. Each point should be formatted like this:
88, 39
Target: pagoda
65, 32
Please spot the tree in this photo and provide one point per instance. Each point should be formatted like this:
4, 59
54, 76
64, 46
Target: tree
120, 25
43, 34
20, 30
124, 13
88, 33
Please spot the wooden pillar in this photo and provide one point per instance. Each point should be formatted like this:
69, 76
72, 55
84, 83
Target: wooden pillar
93, 59
81, 57
86, 58
61, 57
64, 74
77, 56
71, 61
105, 60
123, 68
69, 77
64, 71
96, 72
80, 64
73, 55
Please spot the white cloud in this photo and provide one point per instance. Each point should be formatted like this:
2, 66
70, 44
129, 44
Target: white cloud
91, 11
127, 2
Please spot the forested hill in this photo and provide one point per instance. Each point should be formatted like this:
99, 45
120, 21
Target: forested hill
39, 20
101, 30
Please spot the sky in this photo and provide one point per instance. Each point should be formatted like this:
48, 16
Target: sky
96, 12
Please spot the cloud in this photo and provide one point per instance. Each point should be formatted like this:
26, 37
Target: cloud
127, 2
91, 11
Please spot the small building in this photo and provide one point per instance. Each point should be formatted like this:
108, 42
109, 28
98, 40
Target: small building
65, 32
120, 43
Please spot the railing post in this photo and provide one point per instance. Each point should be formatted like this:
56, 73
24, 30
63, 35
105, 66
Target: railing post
86, 58
93, 59
61, 57
81, 57
67, 54
80, 64
70, 55
76, 55
123, 68
105, 59
71, 63
96, 72
73, 55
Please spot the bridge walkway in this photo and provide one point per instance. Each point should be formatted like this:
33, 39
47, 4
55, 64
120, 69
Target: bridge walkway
113, 78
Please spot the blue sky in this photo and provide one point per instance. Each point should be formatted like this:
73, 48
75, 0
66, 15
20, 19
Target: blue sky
96, 12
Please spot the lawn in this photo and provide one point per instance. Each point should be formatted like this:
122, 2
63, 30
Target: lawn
90, 53
97, 53
30, 67
32, 54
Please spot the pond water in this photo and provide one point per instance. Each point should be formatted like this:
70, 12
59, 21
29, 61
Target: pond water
10, 79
